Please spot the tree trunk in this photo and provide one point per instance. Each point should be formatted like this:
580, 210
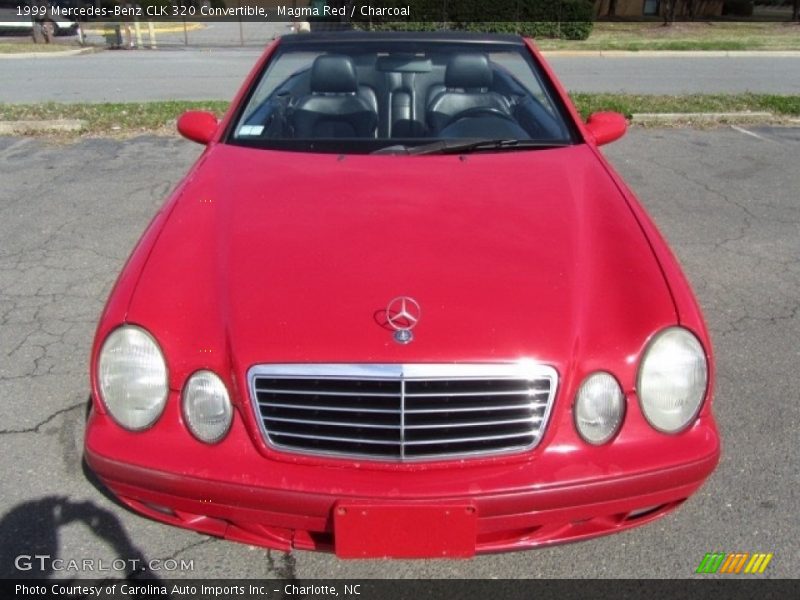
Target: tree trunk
612, 8
669, 12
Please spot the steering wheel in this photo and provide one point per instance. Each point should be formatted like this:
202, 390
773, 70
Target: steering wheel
480, 111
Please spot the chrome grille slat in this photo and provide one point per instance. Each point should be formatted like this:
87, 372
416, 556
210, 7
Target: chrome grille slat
422, 411
473, 424
480, 438
403, 411
334, 408
525, 393
332, 438
331, 423
318, 393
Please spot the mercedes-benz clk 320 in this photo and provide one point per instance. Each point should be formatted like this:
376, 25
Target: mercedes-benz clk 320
402, 306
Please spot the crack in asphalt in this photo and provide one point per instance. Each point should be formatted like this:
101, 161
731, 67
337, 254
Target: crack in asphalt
747, 219
55, 273
751, 243
38, 426
285, 567
174, 555
790, 315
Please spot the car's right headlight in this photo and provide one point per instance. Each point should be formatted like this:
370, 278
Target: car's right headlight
132, 376
207, 408
673, 377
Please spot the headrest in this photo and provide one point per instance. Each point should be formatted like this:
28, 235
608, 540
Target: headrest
468, 71
333, 74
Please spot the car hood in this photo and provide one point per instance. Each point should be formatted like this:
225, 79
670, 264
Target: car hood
289, 257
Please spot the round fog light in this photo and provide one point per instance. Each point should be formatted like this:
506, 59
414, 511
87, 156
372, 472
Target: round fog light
207, 408
599, 408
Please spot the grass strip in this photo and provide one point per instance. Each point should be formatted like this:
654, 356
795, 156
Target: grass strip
133, 118
113, 118
628, 104
706, 35
28, 47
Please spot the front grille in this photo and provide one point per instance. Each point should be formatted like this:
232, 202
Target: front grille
403, 412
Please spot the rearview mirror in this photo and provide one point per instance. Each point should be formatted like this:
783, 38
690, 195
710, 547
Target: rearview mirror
606, 126
198, 126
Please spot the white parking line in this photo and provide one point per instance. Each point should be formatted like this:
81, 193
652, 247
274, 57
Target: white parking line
750, 133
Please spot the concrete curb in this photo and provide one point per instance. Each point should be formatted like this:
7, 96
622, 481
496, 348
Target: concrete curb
176, 28
702, 117
58, 54
57, 125
672, 53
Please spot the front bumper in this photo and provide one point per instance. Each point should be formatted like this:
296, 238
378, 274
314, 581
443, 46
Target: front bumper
567, 492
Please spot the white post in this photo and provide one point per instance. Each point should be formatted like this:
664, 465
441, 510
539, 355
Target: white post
138, 31
152, 33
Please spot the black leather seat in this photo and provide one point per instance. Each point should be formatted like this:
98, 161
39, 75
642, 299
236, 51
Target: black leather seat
467, 92
334, 108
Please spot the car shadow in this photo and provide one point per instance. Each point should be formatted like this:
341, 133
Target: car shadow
30, 531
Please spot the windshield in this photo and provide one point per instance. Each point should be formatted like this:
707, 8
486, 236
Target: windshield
387, 96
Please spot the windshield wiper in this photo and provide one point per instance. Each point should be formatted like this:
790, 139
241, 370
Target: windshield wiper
477, 145
467, 145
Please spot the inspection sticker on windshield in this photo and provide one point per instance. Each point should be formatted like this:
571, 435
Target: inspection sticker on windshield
251, 129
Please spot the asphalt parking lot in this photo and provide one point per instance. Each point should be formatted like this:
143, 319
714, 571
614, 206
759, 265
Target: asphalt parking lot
727, 200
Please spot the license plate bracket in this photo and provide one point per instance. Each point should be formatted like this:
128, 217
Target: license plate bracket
387, 530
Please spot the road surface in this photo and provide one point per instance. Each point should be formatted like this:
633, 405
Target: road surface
215, 74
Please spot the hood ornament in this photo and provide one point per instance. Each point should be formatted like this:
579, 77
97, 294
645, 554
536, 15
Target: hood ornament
402, 315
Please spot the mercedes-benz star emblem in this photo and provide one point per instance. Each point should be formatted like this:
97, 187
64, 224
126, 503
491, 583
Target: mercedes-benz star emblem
403, 314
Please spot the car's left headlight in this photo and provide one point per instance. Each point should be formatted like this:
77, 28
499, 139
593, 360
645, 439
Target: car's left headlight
599, 408
132, 376
673, 377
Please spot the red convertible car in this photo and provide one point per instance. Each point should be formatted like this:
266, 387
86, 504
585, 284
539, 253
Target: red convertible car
402, 306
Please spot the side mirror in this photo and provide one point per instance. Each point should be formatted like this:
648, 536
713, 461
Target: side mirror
198, 126
606, 126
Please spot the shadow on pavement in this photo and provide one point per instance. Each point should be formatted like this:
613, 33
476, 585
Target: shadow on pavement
31, 529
